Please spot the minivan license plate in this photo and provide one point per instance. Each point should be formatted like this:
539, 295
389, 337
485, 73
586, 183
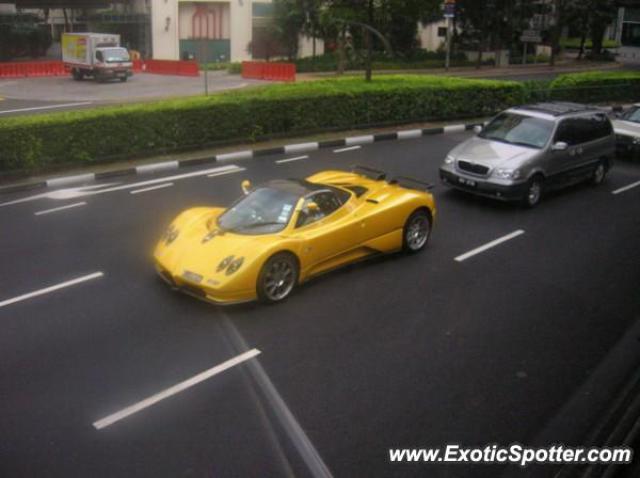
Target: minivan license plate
467, 182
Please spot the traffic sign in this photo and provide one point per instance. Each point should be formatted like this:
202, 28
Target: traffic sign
449, 8
531, 36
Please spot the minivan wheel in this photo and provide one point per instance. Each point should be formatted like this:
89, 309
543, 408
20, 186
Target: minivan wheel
533, 192
599, 174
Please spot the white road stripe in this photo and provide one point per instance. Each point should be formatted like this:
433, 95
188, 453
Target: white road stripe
52, 288
626, 188
152, 188
153, 167
366, 139
300, 147
67, 105
222, 173
67, 180
454, 128
180, 387
288, 160
248, 154
55, 209
489, 245
410, 134
350, 148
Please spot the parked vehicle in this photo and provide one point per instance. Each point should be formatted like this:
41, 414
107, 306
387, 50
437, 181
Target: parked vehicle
627, 129
286, 231
98, 55
528, 150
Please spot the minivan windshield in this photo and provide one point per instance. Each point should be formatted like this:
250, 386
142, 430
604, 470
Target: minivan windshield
519, 129
632, 114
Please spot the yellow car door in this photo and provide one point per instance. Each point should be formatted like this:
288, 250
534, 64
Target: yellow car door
330, 233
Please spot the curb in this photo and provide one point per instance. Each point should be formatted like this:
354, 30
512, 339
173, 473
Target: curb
236, 155
247, 154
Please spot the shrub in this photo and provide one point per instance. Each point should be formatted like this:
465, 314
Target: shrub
596, 86
143, 129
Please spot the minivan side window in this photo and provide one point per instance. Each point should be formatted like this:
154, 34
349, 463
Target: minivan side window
566, 132
601, 126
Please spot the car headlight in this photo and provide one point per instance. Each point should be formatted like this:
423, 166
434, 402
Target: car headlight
449, 159
235, 265
504, 173
170, 235
224, 263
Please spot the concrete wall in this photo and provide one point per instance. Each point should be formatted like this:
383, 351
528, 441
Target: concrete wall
186, 11
305, 46
164, 30
428, 35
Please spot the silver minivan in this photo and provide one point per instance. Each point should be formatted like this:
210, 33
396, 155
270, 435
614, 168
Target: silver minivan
527, 150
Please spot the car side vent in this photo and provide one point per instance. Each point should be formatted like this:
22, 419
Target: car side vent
368, 172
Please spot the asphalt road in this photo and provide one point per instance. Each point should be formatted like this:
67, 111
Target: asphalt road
527, 341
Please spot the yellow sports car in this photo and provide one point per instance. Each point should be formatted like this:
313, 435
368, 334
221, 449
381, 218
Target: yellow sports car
283, 232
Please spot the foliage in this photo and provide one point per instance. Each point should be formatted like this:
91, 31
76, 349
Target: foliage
597, 86
143, 129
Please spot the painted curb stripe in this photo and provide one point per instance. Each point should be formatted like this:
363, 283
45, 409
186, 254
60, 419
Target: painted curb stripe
248, 154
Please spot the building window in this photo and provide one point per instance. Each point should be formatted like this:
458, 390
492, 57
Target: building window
442, 32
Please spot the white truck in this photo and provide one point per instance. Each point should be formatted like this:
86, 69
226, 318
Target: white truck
98, 55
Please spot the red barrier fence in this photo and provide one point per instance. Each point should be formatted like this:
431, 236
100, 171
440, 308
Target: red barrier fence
57, 68
32, 68
260, 70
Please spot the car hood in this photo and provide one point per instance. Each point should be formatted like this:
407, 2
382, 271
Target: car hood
200, 249
492, 153
628, 128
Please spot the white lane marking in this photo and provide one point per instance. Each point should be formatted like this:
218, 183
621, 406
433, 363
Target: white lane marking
626, 188
317, 467
52, 288
350, 148
410, 134
91, 190
359, 140
153, 167
454, 128
66, 180
55, 209
488, 245
66, 105
288, 160
248, 154
301, 147
180, 387
152, 188
222, 173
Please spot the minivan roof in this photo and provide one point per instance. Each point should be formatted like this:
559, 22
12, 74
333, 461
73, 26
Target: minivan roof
556, 108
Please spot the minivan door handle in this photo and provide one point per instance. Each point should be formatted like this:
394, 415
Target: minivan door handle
580, 150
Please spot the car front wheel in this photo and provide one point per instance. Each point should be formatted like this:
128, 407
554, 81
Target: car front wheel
599, 174
416, 232
278, 277
533, 193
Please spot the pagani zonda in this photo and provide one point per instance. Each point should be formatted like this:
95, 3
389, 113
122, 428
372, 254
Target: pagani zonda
283, 232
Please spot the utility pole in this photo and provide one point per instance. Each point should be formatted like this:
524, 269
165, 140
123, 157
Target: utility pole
449, 13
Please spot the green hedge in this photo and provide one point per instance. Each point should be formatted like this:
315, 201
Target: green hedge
596, 86
118, 132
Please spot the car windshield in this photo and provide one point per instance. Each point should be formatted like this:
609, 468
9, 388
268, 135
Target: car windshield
632, 114
519, 129
115, 55
264, 211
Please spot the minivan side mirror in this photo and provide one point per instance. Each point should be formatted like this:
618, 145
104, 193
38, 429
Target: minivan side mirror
559, 146
477, 128
246, 186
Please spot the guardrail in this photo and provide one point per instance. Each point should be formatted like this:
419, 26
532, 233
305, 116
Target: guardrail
32, 68
57, 68
261, 70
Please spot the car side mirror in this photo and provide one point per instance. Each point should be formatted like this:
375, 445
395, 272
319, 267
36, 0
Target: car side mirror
246, 186
477, 128
559, 146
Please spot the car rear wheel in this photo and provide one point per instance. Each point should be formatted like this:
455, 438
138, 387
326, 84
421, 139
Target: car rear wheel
278, 277
533, 193
416, 231
599, 174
